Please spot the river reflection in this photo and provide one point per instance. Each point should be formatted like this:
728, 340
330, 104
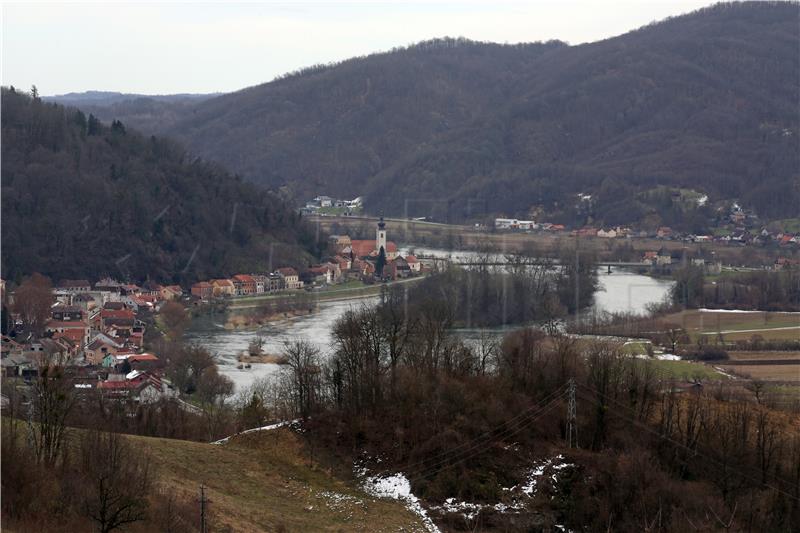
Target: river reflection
619, 291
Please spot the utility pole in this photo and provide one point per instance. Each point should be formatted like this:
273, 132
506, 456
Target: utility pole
572, 423
203, 502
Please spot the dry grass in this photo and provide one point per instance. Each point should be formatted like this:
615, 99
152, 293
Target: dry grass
738, 326
758, 356
262, 482
783, 373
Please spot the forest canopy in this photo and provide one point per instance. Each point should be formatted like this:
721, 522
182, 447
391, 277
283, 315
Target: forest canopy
82, 199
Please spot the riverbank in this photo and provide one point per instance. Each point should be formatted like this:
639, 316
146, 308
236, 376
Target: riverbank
330, 294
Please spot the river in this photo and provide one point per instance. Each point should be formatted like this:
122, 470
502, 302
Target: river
619, 291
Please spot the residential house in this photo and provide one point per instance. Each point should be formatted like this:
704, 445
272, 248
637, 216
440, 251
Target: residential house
152, 289
75, 329
86, 302
203, 290
66, 313
414, 264
399, 268
244, 284
276, 282
223, 287
75, 285
664, 257
607, 234
291, 279
786, 263
108, 285
318, 275
102, 346
262, 283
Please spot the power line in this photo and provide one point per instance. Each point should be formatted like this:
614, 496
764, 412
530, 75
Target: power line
694, 451
476, 450
514, 420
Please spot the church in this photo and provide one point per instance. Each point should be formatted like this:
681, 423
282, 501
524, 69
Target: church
368, 248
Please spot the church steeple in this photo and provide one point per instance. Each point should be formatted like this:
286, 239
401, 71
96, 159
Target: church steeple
380, 236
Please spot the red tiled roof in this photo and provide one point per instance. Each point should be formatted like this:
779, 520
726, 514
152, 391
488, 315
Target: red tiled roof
411, 259
75, 335
244, 278
363, 248
142, 357
288, 271
117, 313
73, 324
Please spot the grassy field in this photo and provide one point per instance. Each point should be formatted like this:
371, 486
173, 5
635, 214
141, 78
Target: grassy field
263, 482
756, 356
738, 326
685, 370
783, 373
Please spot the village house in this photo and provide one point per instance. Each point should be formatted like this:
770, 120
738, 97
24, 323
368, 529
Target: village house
585, 232
783, 263
244, 284
607, 234
277, 282
223, 287
318, 275
66, 313
150, 288
291, 278
100, 347
203, 290
399, 268
664, 232
75, 285
414, 264
664, 257
75, 329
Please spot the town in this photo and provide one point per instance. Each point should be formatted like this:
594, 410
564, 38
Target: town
98, 330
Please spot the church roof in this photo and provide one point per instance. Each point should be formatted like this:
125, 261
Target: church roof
364, 248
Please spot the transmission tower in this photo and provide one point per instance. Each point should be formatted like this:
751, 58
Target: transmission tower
203, 502
572, 423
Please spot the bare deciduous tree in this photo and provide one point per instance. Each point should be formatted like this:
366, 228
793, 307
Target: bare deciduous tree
33, 300
118, 481
52, 401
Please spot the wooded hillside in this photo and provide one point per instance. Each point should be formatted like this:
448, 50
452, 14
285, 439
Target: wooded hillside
706, 101
82, 200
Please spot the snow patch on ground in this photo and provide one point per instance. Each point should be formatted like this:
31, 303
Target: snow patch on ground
340, 503
553, 465
726, 374
253, 430
396, 487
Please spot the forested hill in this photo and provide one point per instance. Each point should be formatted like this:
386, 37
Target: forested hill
82, 200
706, 101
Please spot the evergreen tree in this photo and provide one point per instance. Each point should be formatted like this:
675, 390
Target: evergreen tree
381, 262
93, 127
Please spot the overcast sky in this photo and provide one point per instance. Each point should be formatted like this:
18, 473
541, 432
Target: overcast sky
164, 48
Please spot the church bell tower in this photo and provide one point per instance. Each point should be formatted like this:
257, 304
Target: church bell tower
380, 236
